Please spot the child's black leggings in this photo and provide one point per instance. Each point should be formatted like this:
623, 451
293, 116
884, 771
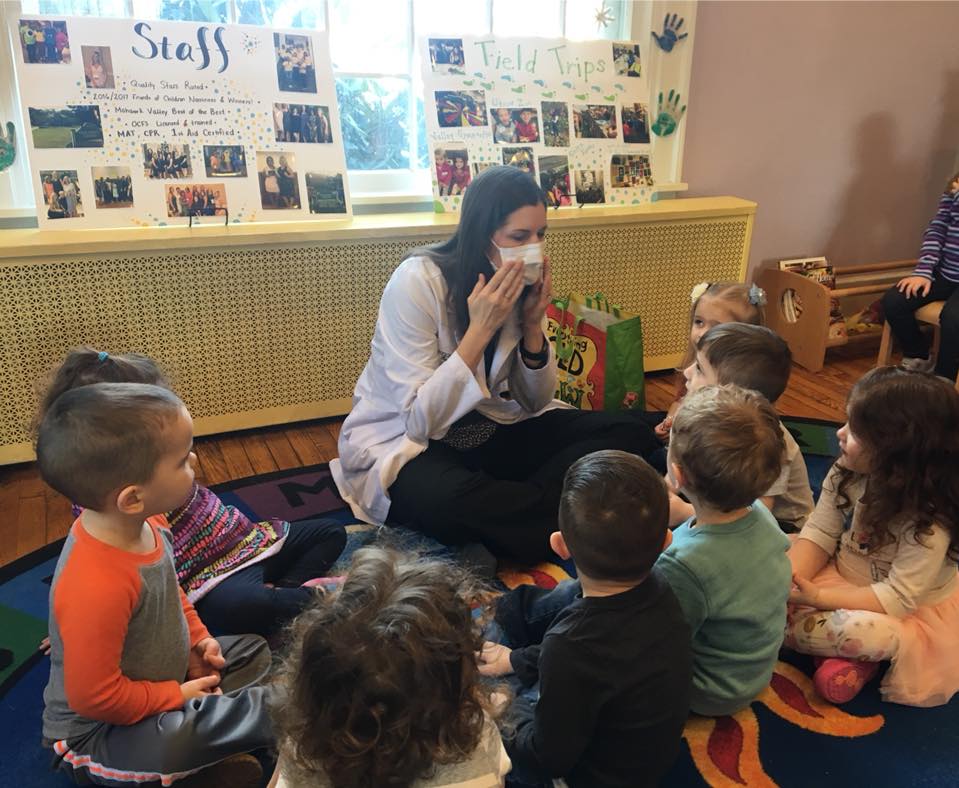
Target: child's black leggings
899, 312
243, 603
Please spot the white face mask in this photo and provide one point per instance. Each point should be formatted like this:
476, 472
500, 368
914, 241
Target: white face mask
530, 255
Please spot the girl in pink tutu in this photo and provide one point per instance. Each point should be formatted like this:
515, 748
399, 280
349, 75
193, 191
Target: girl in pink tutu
874, 567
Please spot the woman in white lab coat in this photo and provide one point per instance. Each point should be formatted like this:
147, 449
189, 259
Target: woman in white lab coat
454, 431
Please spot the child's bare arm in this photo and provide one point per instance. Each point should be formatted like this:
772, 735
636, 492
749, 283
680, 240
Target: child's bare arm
807, 558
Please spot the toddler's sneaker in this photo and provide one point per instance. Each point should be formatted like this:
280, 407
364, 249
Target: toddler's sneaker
840, 680
918, 364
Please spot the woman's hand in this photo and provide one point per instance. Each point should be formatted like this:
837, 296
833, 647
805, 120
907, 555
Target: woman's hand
914, 286
490, 304
534, 305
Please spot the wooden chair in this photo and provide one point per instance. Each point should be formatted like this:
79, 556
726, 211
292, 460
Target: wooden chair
928, 314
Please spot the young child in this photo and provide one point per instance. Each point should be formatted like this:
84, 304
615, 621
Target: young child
712, 304
138, 689
526, 128
614, 664
875, 565
460, 177
224, 560
444, 172
504, 127
381, 685
935, 278
755, 358
727, 564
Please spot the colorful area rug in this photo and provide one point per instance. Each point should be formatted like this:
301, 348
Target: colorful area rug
788, 737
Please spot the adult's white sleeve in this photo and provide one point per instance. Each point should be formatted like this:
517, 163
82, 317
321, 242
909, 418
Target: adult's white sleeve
431, 391
533, 389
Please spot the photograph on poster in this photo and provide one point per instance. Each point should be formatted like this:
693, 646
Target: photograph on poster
279, 184
479, 166
446, 55
626, 60
325, 193
195, 199
521, 158
554, 180
556, 124
589, 186
627, 170
224, 161
295, 71
301, 123
452, 168
594, 121
97, 67
112, 187
45, 41
455, 108
61, 194
635, 119
73, 126
512, 125
166, 161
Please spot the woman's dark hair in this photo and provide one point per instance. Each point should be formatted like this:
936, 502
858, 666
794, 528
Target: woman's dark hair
381, 683
491, 197
908, 425
85, 365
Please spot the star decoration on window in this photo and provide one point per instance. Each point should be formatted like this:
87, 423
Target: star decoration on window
604, 16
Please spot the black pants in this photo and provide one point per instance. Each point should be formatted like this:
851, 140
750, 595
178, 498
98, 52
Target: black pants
506, 492
899, 313
243, 603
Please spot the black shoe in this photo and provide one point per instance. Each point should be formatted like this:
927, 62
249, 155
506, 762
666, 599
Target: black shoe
479, 560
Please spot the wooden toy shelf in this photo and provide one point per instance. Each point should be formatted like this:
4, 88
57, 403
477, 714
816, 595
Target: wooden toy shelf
808, 334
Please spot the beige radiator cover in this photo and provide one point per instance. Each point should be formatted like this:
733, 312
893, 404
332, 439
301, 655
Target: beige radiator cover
260, 325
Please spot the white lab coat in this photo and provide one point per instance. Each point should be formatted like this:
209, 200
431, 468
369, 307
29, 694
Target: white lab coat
415, 386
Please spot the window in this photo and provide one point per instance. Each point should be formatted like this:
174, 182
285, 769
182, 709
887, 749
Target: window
375, 59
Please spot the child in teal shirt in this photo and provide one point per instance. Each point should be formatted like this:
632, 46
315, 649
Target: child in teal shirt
727, 564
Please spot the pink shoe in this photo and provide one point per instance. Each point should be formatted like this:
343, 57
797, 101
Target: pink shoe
327, 583
840, 680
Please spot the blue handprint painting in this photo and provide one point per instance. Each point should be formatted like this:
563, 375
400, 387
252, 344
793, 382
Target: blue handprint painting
668, 114
8, 147
671, 36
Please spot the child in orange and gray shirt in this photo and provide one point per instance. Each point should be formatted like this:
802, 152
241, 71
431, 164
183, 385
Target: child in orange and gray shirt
139, 690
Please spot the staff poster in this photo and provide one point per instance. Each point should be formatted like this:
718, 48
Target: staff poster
148, 123
574, 114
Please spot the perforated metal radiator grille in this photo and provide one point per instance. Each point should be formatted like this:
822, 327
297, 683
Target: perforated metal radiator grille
258, 335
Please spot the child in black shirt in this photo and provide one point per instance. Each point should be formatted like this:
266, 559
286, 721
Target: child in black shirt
611, 652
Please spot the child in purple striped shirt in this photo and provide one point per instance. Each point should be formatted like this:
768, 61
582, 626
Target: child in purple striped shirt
243, 577
935, 278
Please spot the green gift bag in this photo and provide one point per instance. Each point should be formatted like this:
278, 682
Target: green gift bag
599, 350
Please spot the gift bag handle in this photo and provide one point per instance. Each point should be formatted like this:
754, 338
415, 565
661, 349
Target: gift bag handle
564, 350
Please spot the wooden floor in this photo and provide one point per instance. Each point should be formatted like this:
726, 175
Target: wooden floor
32, 515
